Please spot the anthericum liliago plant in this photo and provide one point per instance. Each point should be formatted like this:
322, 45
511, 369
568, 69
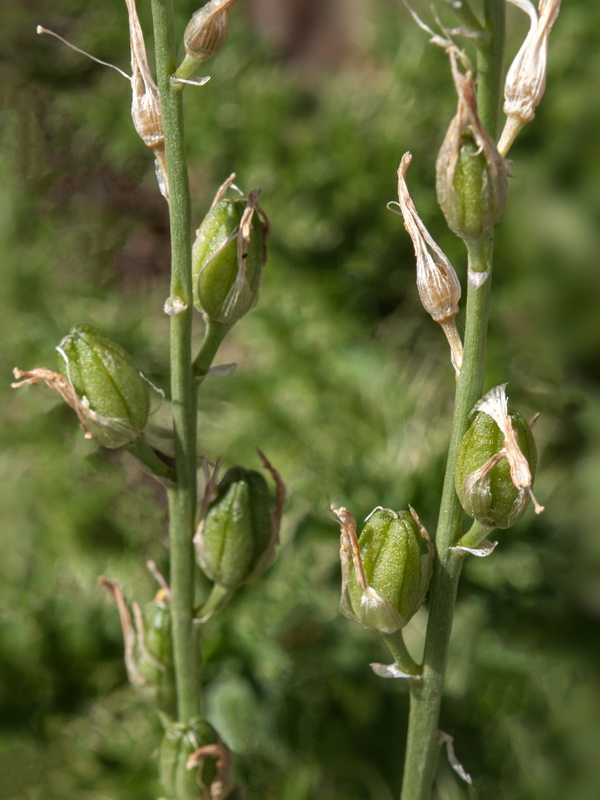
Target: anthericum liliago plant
233, 534
388, 568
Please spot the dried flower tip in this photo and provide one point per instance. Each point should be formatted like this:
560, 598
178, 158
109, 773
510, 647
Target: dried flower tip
146, 109
471, 176
437, 282
206, 32
495, 405
496, 462
526, 77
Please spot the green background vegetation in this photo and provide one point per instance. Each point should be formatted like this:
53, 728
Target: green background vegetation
342, 380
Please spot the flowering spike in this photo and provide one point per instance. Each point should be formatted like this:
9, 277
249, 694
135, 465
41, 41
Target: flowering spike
526, 76
437, 282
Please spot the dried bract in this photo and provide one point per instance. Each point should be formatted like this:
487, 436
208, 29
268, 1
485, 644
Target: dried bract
526, 77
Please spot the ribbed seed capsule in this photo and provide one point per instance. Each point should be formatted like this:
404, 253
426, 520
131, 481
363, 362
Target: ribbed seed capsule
180, 741
494, 472
153, 655
386, 572
228, 257
471, 175
148, 647
236, 538
113, 396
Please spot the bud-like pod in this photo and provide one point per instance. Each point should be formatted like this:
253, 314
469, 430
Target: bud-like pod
113, 396
206, 32
238, 532
526, 77
148, 647
496, 464
228, 257
386, 572
471, 176
180, 741
153, 655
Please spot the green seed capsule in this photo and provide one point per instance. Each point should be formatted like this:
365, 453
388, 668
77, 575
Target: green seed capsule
179, 741
114, 396
153, 657
471, 176
396, 561
228, 257
237, 537
484, 483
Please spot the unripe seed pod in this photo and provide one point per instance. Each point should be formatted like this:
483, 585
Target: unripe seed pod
114, 398
484, 482
472, 203
148, 647
228, 257
179, 742
153, 655
391, 566
236, 538
471, 175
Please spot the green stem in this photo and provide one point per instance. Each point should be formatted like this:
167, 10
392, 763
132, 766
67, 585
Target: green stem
490, 65
477, 533
213, 336
182, 496
397, 647
426, 694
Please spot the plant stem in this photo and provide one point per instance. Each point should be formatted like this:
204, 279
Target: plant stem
403, 659
213, 336
182, 496
426, 694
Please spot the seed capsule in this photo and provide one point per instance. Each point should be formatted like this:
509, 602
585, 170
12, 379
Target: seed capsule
496, 464
113, 398
471, 176
153, 655
228, 258
238, 532
180, 741
386, 572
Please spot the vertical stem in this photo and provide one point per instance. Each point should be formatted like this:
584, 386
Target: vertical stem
182, 496
426, 694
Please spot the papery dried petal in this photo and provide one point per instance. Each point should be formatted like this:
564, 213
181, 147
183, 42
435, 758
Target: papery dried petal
526, 77
437, 282
206, 32
146, 110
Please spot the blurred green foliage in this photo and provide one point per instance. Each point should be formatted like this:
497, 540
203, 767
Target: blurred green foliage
342, 380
